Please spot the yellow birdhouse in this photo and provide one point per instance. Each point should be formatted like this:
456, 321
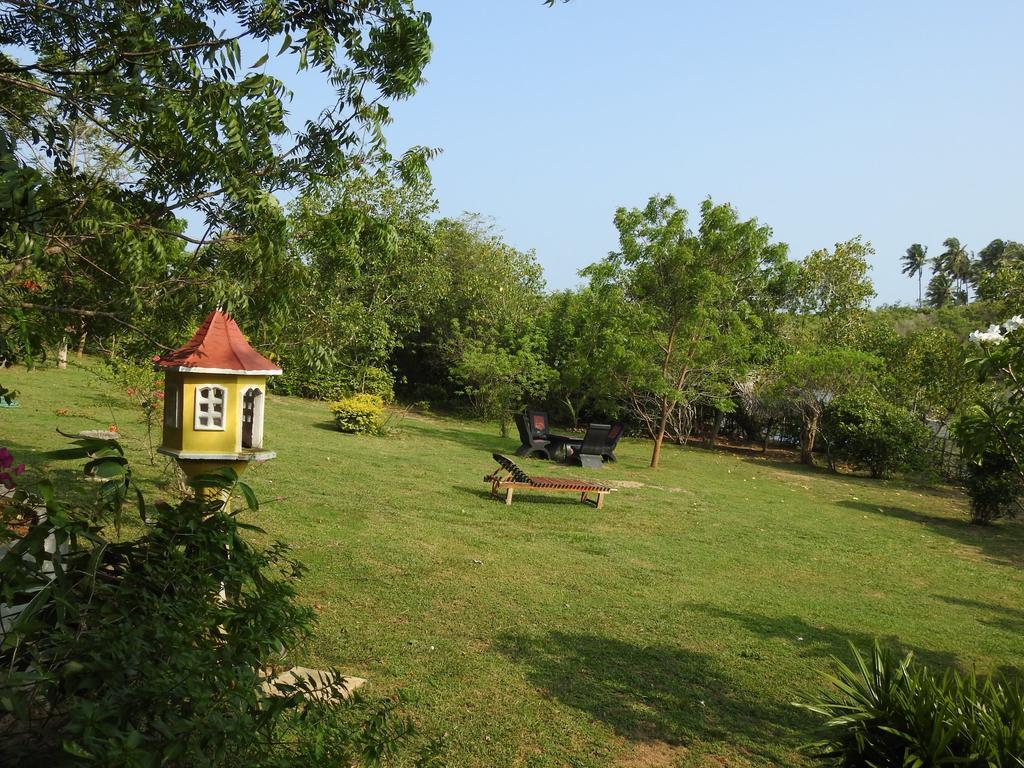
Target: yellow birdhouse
214, 394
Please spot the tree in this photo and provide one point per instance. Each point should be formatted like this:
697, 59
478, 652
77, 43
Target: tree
368, 273
991, 429
914, 261
1003, 287
586, 336
834, 285
936, 383
810, 380
497, 380
490, 296
1000, 275
940, 290
869, 432
956, 263
1000, 252
199, 128
696, 298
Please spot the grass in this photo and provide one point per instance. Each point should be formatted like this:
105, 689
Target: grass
674, 627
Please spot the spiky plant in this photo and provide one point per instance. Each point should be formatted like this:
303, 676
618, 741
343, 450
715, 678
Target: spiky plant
887, 711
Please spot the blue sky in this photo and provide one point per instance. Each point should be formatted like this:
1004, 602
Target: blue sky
898, 121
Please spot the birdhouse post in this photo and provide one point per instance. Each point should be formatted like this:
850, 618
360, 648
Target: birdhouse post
214, 396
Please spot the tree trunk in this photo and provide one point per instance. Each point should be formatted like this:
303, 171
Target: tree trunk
716, 426
82, 333
666, 408
810, 431
62, 353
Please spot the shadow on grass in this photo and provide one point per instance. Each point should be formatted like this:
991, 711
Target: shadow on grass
824, 473
783, 455
520, 496
66, 476
1001, 616
657, 693
468, 438
1002, 543
820, 642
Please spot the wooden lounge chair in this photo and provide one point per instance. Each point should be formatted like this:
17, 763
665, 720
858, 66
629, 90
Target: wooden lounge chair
517, 478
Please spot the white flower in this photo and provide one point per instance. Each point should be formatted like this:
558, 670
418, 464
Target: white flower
992, 336
1013, 323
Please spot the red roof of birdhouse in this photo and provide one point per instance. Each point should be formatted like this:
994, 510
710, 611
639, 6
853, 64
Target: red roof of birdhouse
218, 347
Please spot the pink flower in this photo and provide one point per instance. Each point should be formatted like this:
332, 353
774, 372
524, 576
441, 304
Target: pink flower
6, 480
159, 395
130, 391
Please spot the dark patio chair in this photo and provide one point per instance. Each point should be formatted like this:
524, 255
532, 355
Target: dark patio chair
614, 435
589, 452
535, 430
535, 443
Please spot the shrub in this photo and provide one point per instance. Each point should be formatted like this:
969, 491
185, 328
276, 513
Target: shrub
995, 489
991, 429
153, 651
374, 381
888, 711
359, 414
870, 433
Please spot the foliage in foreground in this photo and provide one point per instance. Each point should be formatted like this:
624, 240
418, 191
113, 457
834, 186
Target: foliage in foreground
888, 711
995, 488
153, 651
991, 430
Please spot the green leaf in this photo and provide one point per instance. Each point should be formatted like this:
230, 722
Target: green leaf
76, 750
250, 498
107, 468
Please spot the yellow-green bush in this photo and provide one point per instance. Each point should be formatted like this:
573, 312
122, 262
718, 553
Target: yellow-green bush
361, 414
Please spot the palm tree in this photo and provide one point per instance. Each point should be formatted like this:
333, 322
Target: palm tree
940, 290
956, 263
913, 264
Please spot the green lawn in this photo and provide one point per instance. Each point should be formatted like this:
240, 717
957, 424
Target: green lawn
673, 627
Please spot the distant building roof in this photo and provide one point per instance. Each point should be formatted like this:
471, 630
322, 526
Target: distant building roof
218, 347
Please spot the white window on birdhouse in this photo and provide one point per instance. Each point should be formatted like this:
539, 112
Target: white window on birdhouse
172, 404
211, 405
